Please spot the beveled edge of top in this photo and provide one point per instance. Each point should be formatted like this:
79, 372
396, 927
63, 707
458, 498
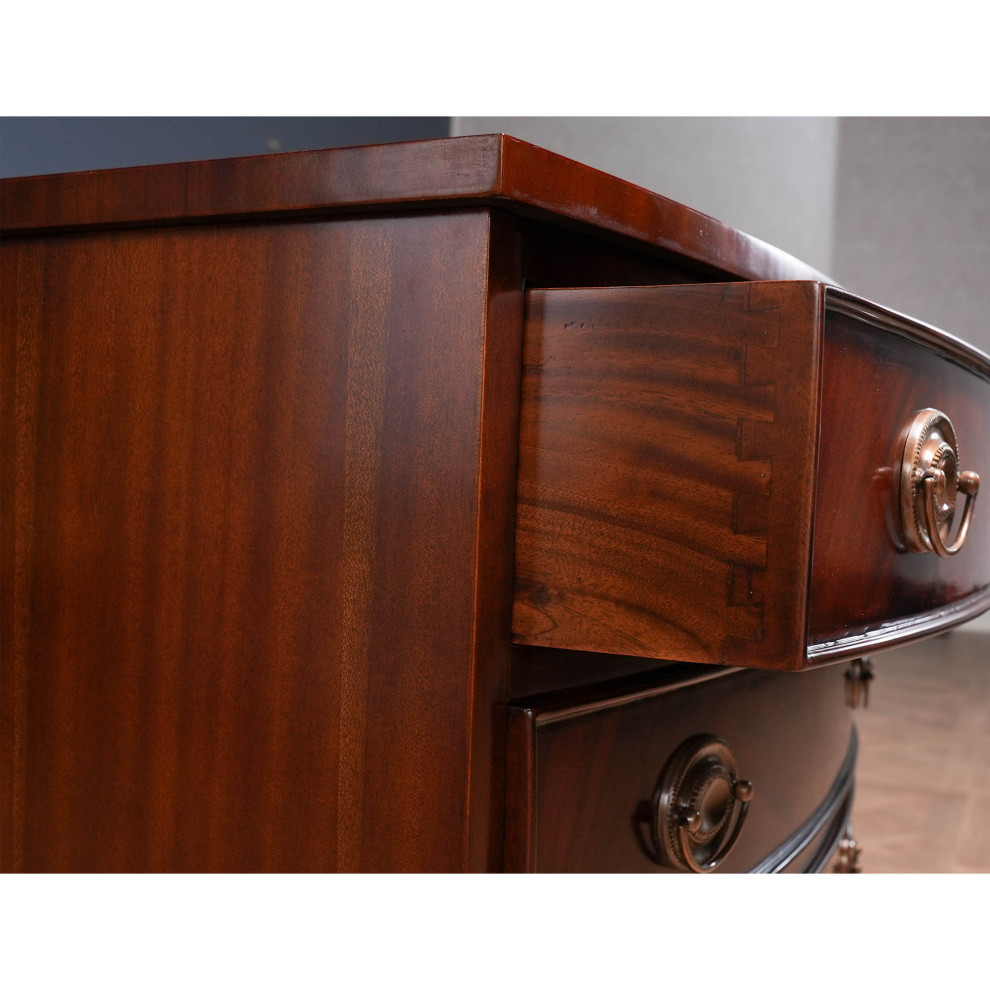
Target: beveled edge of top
491, 169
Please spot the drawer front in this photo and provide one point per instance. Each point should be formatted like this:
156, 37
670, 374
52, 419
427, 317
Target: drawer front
709, 473
867, 587
583, 777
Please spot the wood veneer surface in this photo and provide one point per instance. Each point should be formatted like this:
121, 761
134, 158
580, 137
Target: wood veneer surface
678, 445
257, 487
236, 451
666, 469
209, 662
873, 384
493, 169
585, 775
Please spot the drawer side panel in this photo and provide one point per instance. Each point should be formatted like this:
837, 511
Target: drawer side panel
667, 454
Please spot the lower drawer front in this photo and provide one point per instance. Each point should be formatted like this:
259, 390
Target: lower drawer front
584, 777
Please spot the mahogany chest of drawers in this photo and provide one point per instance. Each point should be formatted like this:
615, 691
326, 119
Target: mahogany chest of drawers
451, 506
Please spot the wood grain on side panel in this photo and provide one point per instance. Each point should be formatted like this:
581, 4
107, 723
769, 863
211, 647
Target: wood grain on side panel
667, 453
257, 488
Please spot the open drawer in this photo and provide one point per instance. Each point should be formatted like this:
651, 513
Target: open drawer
746, 474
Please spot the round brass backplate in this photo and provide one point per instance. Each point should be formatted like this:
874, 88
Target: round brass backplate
698, 805
930, 448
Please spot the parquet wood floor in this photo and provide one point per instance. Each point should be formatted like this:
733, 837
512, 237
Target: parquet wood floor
923, 781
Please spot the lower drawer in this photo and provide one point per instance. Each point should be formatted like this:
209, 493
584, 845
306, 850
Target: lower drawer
586, 776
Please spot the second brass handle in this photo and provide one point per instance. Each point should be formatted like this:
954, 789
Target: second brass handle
699, 806
742, 793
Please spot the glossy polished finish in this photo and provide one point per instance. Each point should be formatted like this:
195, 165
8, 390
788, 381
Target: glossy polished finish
214, 440
665, 471
679, 446
588, 768
261, 433
868, 589
492, 170
258, 506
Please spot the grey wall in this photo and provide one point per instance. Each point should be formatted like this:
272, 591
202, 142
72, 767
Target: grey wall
912, 221
41, 145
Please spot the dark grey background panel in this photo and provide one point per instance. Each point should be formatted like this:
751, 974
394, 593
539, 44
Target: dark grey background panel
42, 145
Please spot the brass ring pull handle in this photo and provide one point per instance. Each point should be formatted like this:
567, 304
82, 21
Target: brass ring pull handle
742, 791
699, 806
930, 480
934, 483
